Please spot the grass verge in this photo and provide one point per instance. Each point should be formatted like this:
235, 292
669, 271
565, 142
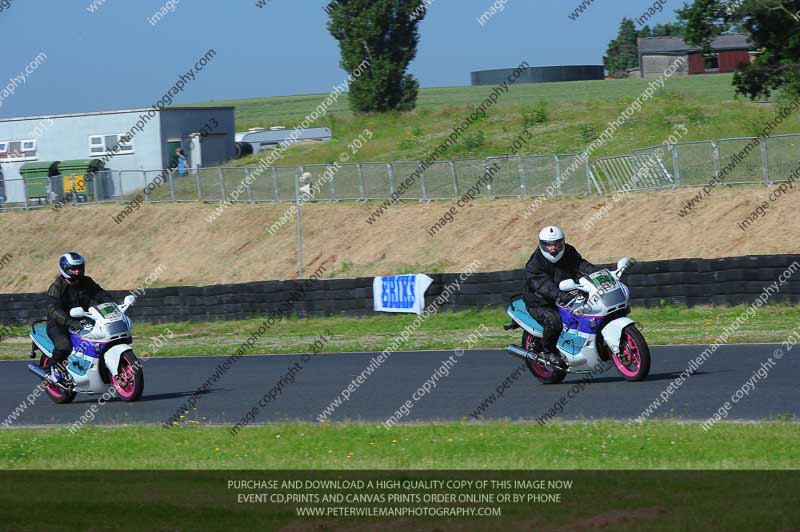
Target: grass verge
490, 445
561, 118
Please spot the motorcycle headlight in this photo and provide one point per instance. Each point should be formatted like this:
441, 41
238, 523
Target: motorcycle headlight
116, 327
614, 297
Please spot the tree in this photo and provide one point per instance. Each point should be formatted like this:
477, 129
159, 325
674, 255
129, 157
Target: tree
674, 29
623, 52
772, 27
385, 33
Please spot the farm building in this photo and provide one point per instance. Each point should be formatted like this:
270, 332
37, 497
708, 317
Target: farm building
126, 140
728, 51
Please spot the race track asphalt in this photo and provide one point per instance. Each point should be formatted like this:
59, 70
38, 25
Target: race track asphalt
170, 382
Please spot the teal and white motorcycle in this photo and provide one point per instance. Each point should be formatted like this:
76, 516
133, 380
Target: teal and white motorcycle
596, 330
101, 355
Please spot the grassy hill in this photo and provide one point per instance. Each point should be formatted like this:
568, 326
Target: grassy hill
562, 117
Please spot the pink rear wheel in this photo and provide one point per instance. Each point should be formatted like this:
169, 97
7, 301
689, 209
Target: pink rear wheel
633, 360
545, 375
54, 392
129, 380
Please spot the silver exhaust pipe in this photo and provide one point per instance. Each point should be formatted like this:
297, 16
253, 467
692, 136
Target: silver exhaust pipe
42, 374
39, 372
524, 354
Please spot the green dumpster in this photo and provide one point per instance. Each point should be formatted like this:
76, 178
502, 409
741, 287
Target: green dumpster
82, 177
37, 179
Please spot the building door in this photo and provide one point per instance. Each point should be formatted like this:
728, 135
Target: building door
172, 145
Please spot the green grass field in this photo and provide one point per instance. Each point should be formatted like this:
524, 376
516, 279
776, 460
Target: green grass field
490, 445
562, 118
445, 330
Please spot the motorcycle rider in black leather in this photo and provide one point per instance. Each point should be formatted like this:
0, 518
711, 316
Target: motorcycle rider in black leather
69, 290
553, 261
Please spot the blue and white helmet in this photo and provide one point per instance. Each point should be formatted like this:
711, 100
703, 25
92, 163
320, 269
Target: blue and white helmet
72, 265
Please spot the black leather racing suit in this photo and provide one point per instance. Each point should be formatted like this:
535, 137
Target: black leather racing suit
541, 289
63, 297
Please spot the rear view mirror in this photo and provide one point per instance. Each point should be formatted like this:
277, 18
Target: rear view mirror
566, 285
77, 312
129, 300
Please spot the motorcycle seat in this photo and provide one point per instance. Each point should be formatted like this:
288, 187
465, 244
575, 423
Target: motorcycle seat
520, 311
39, 334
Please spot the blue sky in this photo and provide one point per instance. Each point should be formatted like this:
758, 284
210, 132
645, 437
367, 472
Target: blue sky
115, 59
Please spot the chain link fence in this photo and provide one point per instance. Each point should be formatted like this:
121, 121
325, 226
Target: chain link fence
676, 165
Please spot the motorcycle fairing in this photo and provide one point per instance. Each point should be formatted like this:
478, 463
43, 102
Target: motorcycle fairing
570, 342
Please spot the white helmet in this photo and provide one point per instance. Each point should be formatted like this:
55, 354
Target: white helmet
552, 236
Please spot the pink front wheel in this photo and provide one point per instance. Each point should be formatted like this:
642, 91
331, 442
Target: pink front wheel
129, 380
633, 360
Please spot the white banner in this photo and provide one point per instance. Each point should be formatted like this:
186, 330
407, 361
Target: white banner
400, 293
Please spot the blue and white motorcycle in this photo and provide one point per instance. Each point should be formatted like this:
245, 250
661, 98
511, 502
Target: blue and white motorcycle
596, 330
101, 355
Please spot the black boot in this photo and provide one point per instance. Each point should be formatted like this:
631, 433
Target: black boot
554, 359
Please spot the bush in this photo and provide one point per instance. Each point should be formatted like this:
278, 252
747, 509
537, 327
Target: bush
473, 142
538, 115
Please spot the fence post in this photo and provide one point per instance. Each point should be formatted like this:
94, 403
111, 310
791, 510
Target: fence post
335, 171
221, 185
75, 194
588, 168
25, 193
523, 185
144, 186
676, 167
715, 155
197, 184
299, 224
118, 189
391, 178
171, 181
275, 187
455, 177
362, 186
558, 174
249, 189
424, 184
485, 173
764, 161
95, 187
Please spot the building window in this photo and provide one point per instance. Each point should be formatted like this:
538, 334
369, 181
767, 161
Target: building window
18, 150
102, 144
711, 62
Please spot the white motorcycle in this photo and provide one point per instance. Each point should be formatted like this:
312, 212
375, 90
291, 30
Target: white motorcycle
101, 355
596, 330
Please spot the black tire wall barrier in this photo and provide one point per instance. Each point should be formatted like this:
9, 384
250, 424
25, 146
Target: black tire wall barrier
726, 281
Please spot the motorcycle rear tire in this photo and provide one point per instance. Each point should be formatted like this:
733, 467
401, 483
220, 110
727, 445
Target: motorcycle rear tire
545, 376
55, 393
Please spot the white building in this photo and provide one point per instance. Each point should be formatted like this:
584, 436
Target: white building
133, 139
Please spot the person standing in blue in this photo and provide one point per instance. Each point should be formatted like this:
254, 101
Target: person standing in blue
183, 163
